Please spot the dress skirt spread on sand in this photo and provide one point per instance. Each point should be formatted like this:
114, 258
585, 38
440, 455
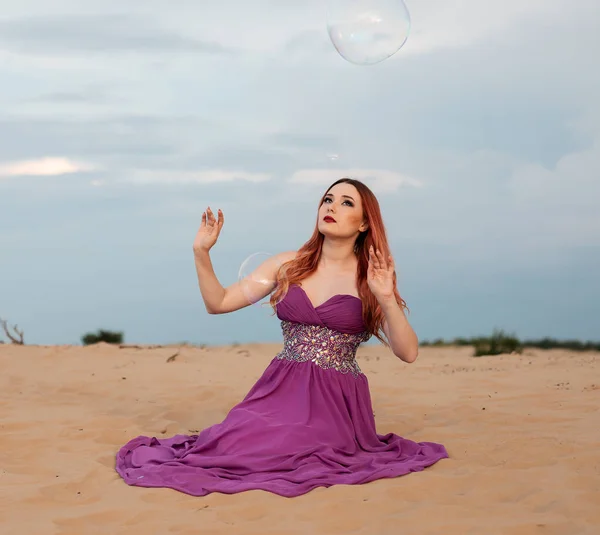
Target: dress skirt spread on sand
306, 423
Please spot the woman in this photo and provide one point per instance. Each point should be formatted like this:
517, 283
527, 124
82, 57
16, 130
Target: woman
308, 421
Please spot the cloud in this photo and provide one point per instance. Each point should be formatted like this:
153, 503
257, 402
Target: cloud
435, 25
439, 24
88, 134
559, 205
265, 27
104, 33
379, 180
43, 167
572, 181
454, 117
194, 177
87, 96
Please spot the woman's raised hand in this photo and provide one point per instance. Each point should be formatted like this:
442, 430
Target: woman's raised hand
209, 230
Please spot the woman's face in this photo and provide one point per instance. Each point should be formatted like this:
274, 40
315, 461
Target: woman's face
341, 214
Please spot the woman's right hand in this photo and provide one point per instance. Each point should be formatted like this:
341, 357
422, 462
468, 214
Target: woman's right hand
209, 230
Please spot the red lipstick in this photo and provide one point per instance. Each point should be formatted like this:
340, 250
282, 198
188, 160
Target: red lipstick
329, 219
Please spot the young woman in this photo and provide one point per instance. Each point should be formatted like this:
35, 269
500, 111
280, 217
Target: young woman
308, 420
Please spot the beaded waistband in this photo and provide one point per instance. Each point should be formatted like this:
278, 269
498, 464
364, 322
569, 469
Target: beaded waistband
327, 348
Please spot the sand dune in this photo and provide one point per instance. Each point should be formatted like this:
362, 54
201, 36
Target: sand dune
523, 434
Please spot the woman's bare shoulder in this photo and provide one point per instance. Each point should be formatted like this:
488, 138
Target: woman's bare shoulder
286, 256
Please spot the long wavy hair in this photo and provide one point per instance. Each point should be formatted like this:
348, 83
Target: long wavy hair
307, 259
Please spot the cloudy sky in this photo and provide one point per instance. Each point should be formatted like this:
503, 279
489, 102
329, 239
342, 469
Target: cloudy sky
120, 122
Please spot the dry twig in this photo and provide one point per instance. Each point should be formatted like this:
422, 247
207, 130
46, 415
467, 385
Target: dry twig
10, 336
173, 356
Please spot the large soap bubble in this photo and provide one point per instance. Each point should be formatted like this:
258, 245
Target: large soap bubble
365, 32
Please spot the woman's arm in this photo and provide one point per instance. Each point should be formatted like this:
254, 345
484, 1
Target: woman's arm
400, 335
220, 300
217, 299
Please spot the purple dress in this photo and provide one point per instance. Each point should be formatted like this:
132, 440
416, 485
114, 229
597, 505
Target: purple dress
306, 423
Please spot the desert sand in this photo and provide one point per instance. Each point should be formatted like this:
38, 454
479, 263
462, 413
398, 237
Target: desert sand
522, 431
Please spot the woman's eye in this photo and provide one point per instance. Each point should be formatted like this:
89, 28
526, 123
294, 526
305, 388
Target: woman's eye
330, 200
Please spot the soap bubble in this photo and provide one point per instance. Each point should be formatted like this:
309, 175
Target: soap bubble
254, 280
336, 148
365, 32
333, 162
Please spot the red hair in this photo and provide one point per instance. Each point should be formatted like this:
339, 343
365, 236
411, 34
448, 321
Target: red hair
308, 256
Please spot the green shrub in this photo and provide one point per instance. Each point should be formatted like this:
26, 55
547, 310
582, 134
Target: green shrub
499, 343
109, 337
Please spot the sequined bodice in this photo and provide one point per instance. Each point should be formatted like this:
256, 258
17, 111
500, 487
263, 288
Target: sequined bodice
327, 348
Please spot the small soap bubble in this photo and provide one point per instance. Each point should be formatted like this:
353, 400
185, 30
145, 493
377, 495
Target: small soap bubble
256, 280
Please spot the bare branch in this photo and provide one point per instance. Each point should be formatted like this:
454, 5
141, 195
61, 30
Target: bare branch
10, 336
173, 356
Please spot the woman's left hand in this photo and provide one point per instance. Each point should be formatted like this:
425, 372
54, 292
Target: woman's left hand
380, 275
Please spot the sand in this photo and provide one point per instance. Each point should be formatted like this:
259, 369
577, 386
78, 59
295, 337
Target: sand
522, 431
